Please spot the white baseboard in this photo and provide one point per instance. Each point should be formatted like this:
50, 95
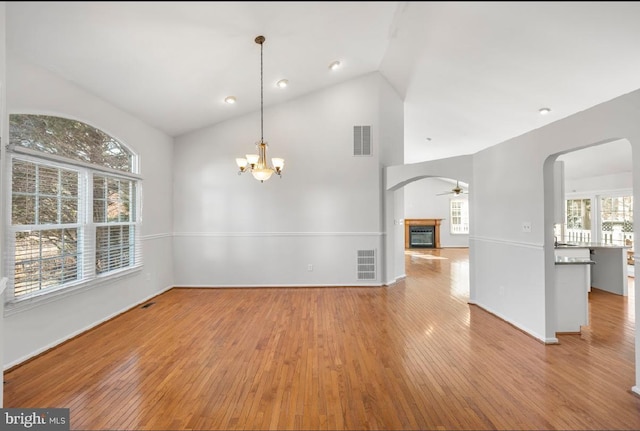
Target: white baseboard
395, 280
636, 390
255, 286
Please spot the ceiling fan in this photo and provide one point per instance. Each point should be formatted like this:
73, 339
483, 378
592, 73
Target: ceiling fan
457, 190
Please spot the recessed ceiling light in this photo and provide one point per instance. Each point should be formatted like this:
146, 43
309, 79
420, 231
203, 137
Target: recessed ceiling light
230, 100
335, 65
282, 83
544, 111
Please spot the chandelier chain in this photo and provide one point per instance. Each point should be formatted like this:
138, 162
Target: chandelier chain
261, 97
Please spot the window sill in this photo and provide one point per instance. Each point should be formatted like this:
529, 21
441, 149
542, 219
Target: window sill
22, 304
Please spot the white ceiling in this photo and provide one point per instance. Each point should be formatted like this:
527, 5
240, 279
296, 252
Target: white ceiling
472, 74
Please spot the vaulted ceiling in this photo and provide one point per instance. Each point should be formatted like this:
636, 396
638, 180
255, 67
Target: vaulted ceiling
472, 74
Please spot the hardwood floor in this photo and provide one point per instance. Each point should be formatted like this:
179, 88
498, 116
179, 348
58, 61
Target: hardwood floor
413, 355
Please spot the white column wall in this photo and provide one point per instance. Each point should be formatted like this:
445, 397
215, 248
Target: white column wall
31, 89
391, 118
232, 230
520, 170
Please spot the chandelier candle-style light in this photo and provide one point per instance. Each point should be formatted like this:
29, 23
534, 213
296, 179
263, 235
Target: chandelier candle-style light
257, 163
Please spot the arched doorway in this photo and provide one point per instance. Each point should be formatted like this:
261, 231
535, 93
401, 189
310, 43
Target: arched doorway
396, 178
597, 195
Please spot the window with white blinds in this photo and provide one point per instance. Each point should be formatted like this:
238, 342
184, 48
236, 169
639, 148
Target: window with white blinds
114, 216
70, 222
44, 218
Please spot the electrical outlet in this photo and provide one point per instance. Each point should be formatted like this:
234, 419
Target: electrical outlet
310, 267
526, 226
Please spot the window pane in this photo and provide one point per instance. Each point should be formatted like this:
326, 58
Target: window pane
114, 247
617, 219
23, 209
24, 177
51, 272
45, 259
47, 181
132, 201
99, 210
70, 269
48, 211
26, 277
114, 207
70, 238
126, 200
69, 183
578, 224
115, 235
27, 246
69, 210
43, 194
69, 138
99, 187
112, 200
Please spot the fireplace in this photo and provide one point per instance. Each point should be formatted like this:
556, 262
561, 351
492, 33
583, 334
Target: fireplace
422, 236
422, 233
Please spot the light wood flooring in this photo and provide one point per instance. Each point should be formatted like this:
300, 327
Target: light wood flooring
414, 355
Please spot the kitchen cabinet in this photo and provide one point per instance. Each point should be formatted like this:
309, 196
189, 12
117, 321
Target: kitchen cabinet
609, 271
571, 293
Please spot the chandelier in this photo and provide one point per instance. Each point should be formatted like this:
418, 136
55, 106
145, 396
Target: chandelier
257, 163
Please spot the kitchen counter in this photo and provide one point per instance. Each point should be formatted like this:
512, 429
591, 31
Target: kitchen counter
609, 271
570, 260
589, 245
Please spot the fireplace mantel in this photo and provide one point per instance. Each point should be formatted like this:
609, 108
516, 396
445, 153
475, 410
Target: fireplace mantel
421, 222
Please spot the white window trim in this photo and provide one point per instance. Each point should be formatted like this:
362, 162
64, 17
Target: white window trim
85, 221
595, 196
451, 225
39, 156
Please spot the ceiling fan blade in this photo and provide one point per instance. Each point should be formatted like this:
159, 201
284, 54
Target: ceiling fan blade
447, 193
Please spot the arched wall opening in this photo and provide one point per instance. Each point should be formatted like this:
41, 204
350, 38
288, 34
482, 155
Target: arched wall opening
396, 178
613, 179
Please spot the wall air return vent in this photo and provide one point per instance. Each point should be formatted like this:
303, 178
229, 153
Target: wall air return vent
361, 140
366, 264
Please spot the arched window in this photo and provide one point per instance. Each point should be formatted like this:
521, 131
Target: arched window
74, 206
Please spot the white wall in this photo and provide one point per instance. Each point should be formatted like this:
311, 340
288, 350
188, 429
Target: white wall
422, 201
601, 183
31, 89
232, 230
